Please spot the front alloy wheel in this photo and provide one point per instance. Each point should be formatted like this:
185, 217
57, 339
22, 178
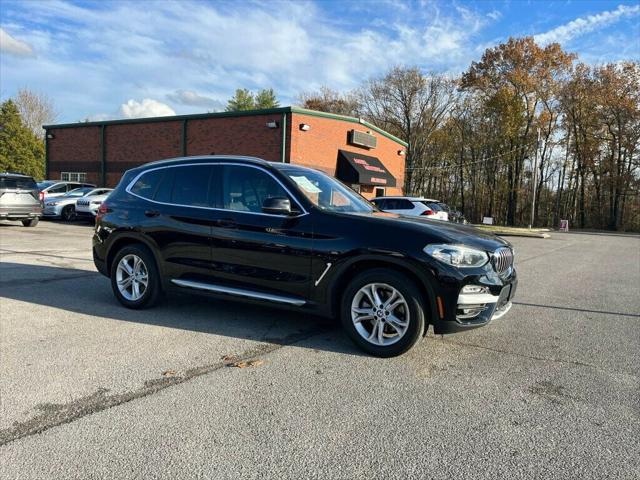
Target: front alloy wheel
68, 213
382, 311
380, 314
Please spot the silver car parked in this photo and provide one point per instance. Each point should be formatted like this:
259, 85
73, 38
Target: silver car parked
65, 207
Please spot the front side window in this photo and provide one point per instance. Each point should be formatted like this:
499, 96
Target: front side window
327, 193
245, 189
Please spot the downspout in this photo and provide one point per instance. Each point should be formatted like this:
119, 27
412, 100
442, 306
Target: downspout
46, 154
103, 157
283, 125
184, 137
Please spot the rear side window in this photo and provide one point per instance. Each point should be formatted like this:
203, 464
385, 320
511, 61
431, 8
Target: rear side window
433, 206
191, 185
147, 184
18, 183
398, 204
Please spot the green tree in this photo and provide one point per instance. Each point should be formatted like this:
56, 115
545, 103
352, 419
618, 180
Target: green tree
242, 100
246, 100
266, 98
20, 149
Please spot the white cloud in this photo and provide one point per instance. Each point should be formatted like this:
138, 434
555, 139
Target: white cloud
146, 108
13, 46
191, 55
583, 25
494, 15
194, 99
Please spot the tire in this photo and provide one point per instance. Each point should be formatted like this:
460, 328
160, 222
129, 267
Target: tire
151, 293
32, 222
68, 213
403, 313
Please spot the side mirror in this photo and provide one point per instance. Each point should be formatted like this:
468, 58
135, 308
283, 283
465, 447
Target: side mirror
276, 206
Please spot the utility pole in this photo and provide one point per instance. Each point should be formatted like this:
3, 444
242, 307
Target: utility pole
534, 177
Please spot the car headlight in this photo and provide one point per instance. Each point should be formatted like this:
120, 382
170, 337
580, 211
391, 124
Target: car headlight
459, 256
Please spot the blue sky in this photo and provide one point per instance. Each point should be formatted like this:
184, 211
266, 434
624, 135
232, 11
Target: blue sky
114, 59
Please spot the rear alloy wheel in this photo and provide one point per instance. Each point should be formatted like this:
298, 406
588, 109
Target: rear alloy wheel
32, 222
382, 312
68, 213
134, 277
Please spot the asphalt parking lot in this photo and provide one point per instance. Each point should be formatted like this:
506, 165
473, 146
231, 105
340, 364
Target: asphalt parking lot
92, 390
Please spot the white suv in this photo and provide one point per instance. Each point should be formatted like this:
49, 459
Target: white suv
414, 206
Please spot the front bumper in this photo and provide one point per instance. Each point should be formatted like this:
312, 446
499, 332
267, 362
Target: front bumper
456, 310
52, 211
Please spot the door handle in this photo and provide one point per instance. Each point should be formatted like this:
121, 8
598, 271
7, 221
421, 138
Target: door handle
227, 223
151, 213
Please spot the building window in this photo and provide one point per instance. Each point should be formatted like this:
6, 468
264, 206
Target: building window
73, 177
380, 192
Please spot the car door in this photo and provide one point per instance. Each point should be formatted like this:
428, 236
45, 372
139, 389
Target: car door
254, 250
177, 216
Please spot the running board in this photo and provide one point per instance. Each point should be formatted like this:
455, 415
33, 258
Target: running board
238, 292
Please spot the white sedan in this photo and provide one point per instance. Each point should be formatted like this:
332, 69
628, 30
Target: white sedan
87, 207
414, 206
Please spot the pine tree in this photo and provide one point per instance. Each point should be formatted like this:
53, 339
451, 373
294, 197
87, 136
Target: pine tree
245, 100
242, 100
20, 149
266, 99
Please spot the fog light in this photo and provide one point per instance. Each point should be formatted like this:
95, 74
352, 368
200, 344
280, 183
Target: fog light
474, 289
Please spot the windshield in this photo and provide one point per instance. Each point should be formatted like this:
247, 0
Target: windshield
79, 192
327, 193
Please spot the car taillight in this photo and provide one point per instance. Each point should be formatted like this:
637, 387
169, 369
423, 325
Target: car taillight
103, 209
42, 196
428, 212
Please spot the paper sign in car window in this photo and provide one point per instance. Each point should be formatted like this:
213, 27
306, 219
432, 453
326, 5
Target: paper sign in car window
304, 183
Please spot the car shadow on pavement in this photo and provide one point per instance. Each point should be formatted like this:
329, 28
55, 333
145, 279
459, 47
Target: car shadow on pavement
88, 293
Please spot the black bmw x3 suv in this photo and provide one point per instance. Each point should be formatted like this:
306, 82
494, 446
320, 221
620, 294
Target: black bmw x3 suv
276, 233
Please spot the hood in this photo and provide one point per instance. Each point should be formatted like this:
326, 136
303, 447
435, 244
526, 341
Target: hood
436, 231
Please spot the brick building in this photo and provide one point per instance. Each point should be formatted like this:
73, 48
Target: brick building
360, 154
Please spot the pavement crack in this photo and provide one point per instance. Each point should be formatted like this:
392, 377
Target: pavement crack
522, 355
52, 414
